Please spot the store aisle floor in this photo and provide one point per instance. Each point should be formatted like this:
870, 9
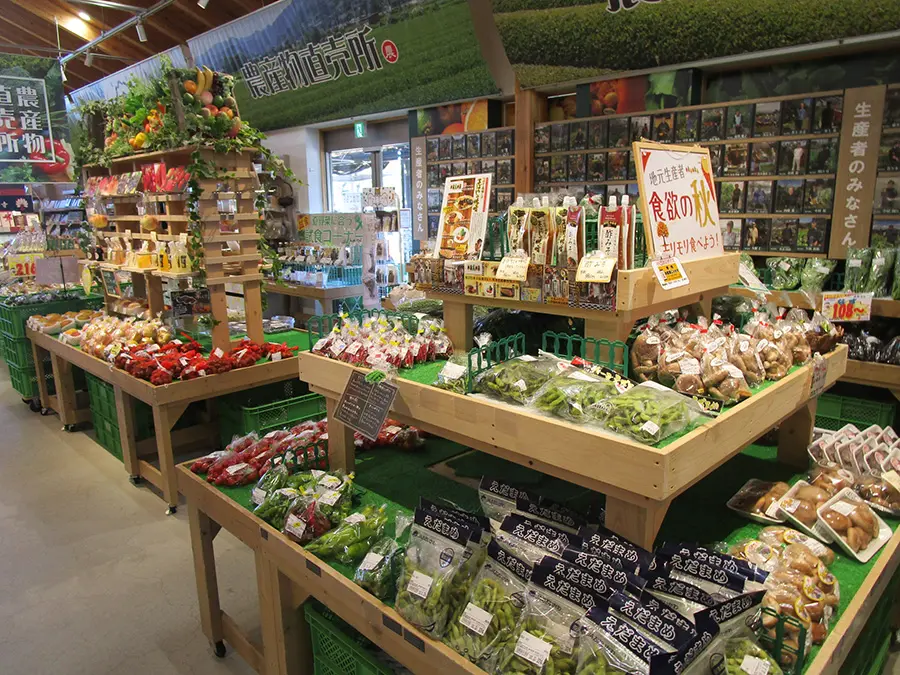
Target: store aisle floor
94, 578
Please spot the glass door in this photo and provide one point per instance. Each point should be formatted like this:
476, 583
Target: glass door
349, 171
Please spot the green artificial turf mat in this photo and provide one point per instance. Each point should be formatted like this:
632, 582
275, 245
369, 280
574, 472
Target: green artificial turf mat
423, 373
477, 464
293, 338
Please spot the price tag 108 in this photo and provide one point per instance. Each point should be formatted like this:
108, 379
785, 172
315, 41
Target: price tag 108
847, 306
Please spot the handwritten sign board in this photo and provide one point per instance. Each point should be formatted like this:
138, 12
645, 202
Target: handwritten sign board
364, 406
331, 229
847, 306
678, 201
191, 301
110, 283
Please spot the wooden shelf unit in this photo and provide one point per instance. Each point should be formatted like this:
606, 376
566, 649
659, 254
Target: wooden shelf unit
300, 291
874, 375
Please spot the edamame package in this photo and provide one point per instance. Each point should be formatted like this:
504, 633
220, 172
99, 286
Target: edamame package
518, 379
575, 395
539, 535
493, 607
498, 498
856, 272
547, 633
433, 557
879, 279
650, 413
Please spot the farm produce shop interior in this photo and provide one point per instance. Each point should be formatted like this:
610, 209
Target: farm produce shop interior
415, 336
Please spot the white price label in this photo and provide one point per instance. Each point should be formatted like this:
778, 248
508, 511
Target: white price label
733, 370
753, 665
234, 468
595, 269
533, 649
670, 273
527, 358
774, 510
513, 268
330, 498
371, 561
578, 375
294, 525
844, 508
392, 429
419, 584
520, 385
819, 372
218, 353
453, 371
790, 505
784, 265
276, 356
290, 493
330, 481
476, 619
354, 518
690, 366
258, 496
856, 262
653, 340
650, 427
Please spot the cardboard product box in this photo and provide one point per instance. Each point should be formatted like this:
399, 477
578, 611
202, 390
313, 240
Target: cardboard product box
508, 290
452, 276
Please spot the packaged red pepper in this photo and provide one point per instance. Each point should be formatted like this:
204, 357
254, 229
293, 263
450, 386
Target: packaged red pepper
241, 473
304, 522
202, 464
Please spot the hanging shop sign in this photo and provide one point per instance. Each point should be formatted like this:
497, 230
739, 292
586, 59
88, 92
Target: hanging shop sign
33, 132
464, 216
678, 201
545, 42
304, 61
419, 200
331, 229
851, 220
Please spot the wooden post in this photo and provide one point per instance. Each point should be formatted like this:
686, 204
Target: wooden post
65, 389
127, 431
530, 107
286, 645
639, 524
203, 530
164, 418
458, 323
341, 450
795, 435
43, 391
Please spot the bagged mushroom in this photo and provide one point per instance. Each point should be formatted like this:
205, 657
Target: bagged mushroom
722, 379
742, 352
645, 354
678, 369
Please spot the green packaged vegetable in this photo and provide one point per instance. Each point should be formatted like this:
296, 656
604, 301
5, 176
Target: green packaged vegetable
649, 413
274, 507
738, 649
491, 614
785, 272
895, 291
880, 274
433, 557
379, 569
518, 379
859, 260
575, 395
352, 539
334, 493
454, 375
815, 273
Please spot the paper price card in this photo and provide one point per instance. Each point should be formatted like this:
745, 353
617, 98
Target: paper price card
514, 268
533, 649
847, 306
670, 273
595, 269
819, 370
22, 264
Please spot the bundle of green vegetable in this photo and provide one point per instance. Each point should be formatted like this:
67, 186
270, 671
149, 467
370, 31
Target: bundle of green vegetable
378, 571
815, 273
859, 260
454, 375
575, 396
353, 538
335, 499
274, 508
649, 413
785, 273
516, 380
879, 279
738, 648
559, 661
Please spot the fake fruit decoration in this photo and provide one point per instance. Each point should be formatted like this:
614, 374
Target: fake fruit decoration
149, 223
99, 221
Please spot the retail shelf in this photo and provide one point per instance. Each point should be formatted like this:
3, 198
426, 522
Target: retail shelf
874, 374
639, 480
880, 306
299, 291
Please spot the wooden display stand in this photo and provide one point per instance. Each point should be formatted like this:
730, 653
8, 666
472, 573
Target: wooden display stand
229, 265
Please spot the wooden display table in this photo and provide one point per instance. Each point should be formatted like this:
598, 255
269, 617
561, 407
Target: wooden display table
880, 306
314, 292
168, 403
287, 576
638, 295
639, 480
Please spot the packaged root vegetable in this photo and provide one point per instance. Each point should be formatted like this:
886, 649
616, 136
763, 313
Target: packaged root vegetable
785, 272
575, 395
650, 413
379, 569
491, 614
856, 273
433, 557
815, 273
518, 379
352, 539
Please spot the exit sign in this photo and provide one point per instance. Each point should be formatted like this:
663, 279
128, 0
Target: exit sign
359, 129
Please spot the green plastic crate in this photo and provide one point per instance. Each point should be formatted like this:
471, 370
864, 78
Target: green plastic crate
834, 411
103, 404
13, 317
107, 432
17, 351
24, 380
335, 652
241, 420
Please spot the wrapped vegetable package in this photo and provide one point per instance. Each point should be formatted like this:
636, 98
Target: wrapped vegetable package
773, 351
785, 273
645, 354
378, 571
575, 395
815, 273
678, 367
722, 379
518, 379
856, 274
352, 539
650, 413
433, 557
743, 354
895, 290
879, 279
822, 335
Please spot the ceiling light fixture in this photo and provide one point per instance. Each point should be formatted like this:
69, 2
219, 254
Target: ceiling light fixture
89, 59
142, 34
202, 3
62, 70
84, 16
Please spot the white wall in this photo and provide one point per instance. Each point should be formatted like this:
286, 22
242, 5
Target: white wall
300, 147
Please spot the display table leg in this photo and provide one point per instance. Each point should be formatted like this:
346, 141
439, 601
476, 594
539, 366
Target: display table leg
164, 418
65, 389
43, 391
795, 435
458, 323
637, 523
203, 531
341, 450
286, 645
127, 432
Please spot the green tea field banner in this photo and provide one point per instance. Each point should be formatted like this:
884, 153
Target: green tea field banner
34, 136
304, 61
549, 41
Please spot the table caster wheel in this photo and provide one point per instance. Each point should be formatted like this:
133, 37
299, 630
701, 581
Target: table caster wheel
45, 412
34, 405
220, 649
70, 428
171, 511
134, 480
